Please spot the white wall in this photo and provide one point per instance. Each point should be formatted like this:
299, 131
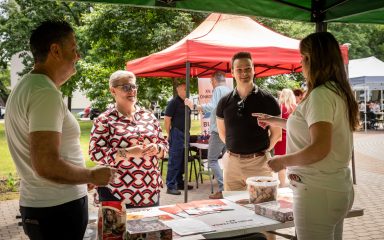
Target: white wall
79, 100
16, 67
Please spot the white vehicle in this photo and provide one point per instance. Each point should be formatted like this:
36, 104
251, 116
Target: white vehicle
2, 112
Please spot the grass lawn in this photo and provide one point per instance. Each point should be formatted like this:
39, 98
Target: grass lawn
8, 167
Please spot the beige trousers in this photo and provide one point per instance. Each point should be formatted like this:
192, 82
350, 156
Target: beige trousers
236, 171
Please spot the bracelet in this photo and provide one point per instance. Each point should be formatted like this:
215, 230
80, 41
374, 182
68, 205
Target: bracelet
122, 152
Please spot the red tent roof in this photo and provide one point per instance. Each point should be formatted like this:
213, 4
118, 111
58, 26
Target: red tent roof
212, 44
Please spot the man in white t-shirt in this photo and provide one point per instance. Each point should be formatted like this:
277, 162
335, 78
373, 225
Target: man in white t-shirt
43, 138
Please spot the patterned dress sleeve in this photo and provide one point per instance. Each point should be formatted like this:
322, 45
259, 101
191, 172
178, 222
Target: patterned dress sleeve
100, 151
161, 141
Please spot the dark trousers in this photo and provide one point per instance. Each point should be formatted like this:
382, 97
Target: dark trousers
106, 195
176, 159
62, 222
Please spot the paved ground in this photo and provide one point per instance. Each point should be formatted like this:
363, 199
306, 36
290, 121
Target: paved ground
369, 155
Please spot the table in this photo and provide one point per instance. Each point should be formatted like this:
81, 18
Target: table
239, 221
200, 147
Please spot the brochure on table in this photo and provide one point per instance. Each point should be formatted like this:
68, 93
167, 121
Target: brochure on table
234, 222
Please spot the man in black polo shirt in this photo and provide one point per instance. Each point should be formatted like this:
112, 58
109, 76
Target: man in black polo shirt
174, 125
247, 143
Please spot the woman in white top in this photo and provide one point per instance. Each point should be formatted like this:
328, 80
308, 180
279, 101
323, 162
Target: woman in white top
319, 142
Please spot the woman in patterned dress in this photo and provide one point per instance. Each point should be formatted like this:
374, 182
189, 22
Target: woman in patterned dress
130, 139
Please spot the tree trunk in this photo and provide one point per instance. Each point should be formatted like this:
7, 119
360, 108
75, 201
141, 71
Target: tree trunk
69, 103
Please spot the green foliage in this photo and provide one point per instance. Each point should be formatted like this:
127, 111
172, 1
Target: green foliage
11, 182
4, 85
112, 36
277, 83
20, 16
5, 157
109, 36
376, 41
366, 40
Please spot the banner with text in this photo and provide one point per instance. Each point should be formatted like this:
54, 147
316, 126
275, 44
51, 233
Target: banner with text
205, 95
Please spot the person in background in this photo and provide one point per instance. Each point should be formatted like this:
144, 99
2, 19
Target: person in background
216, 146
375, 107
44, 140
319, 142
248, 144
287, 102
174, 122
130, 139
299, 94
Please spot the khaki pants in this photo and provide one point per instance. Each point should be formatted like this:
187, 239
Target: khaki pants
237, 170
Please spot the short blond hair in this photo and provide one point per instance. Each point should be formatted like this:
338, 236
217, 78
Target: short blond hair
119, 74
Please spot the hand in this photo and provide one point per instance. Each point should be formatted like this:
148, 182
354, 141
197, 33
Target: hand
150, 150
90, 186
135, 151
263, 120
101, 176
276, 164
189, 103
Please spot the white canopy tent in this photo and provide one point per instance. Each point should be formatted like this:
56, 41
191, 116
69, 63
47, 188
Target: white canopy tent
367, 74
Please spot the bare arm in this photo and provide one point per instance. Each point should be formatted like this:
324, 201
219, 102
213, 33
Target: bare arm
274, 137
167, 125
318, 148
268, 120
45, 157
221, 128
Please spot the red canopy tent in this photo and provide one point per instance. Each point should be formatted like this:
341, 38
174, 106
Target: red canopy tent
212, 44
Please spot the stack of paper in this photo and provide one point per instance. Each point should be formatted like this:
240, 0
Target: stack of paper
188, 226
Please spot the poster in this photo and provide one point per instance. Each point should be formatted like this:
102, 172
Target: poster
205, 94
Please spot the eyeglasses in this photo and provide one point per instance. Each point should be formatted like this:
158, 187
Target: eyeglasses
128, 87
241, 108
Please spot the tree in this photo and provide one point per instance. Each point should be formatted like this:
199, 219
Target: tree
18, 17
366, 40
4, 86
114, 35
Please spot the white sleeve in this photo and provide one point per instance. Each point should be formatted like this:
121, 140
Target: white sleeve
46, 111
320, 106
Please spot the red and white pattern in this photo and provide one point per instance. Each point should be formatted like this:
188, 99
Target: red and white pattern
139, 180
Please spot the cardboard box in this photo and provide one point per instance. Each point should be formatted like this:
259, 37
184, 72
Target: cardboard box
148, 229
280, 210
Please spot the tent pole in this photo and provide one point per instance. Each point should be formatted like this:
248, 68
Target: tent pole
321, 26
353, 149
353, 166
186, 132
365, 109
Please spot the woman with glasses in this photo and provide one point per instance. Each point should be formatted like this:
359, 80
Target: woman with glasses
130, 139
319, 142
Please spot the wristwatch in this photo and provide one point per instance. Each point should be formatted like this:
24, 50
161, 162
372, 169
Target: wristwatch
122, 152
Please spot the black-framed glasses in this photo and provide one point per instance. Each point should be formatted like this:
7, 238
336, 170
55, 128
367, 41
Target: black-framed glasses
128, 87
241, 108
